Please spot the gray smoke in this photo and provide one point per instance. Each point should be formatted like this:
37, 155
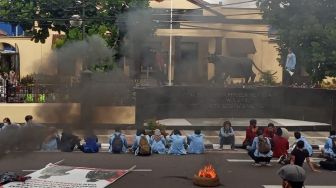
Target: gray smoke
137, 45
77, 81
24, 139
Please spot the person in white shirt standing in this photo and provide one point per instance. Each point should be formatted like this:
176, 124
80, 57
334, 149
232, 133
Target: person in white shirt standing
290, 66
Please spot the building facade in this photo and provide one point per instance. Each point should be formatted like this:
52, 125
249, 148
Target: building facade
199, 29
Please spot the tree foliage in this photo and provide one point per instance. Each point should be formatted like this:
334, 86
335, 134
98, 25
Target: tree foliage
309, 28
37, 17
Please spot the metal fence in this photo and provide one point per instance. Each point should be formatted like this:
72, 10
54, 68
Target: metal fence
24, 94
57, 94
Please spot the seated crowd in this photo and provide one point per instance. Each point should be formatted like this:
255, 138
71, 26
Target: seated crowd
262, 144
270, 142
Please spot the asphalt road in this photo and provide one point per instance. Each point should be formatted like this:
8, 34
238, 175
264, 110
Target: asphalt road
167, 171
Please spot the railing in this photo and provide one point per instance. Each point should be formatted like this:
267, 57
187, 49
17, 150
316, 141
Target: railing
58, 94
24, 94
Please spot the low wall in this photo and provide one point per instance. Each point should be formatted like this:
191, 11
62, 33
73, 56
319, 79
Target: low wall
212, 102
55, 113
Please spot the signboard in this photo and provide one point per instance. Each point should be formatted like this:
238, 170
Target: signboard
56, 176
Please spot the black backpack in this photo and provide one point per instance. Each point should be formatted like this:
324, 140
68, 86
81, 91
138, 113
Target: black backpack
328, 164
117, 144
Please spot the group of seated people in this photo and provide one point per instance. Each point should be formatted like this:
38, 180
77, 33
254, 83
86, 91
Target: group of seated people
264, 144
144, 144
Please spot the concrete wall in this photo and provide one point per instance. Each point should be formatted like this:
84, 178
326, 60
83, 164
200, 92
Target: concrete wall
102, 115
32, 54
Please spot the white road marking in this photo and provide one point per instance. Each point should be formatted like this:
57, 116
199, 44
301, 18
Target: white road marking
135, 170
251, 161
306, 186
59, 162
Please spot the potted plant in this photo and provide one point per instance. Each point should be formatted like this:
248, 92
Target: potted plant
152, 124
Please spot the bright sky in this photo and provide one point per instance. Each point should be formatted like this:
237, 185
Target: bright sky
243, 5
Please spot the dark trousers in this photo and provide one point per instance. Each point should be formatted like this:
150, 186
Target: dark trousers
258, 159
288, 79
230, 140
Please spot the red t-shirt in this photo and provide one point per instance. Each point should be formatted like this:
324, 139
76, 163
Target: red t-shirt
280, 146
250, 134
268, 133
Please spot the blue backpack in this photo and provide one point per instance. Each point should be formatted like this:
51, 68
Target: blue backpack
117, 144
90, 145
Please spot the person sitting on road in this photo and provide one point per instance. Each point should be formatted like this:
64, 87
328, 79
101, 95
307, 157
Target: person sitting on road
226, 135
307, 146
68, 141
285, 133
9, 136
141, 143
330, 153
91, 144
51, 141
280, 145
29, 120
292, 176
330, 146
118, 142
158, 142
251, 133
269, 131
196, 143
178, 143
7, 124
261, 149
300, 154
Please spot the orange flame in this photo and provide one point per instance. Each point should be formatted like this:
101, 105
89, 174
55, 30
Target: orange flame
208, 171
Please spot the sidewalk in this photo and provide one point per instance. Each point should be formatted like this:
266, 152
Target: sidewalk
316, 139
240, 124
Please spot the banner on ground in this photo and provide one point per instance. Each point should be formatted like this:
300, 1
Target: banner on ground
56, 176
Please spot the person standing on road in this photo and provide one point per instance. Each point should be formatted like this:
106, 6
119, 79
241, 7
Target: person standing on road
292, 176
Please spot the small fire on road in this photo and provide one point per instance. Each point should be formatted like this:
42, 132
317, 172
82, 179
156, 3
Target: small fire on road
206, 177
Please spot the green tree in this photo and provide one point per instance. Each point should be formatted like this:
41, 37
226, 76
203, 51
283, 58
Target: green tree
37, 17
309, 28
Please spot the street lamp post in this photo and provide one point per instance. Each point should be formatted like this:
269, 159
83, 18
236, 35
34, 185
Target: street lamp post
170, 45
77, 20
83, 21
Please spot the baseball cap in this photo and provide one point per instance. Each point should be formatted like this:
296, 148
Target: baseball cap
292, 173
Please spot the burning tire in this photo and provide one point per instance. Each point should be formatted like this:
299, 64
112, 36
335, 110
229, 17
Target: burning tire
206, 177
